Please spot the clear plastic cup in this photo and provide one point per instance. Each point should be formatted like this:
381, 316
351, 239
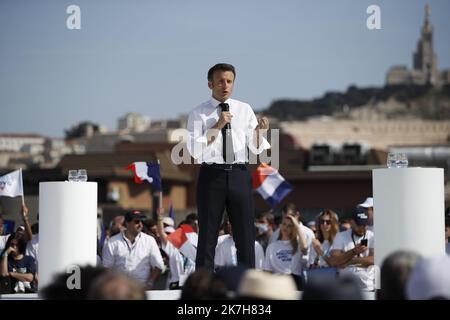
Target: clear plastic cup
73, 176
392, 160
402, 160
82, 175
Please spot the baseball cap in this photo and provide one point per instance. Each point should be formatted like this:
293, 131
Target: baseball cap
169, 221
430, 279
134, 214
311, 223
368, 203
169, 229
360, 217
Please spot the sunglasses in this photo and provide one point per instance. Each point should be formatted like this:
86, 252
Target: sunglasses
323, 221
137, 221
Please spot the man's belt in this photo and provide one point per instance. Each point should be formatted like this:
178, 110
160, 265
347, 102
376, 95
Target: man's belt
224, 166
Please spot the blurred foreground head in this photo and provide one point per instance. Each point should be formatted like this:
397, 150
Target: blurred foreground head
114, 285
96, 283
430, 279
395, 272
330, 287
59, 289
259, 285
203, 285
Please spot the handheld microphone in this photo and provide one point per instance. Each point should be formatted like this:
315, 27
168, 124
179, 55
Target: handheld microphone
226, 107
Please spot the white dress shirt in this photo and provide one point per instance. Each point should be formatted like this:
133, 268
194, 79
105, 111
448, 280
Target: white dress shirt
135, 259
243, 124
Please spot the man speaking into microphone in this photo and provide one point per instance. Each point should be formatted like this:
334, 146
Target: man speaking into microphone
220, 131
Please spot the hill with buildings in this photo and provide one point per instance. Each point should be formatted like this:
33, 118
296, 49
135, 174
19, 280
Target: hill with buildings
389, 102
422, 92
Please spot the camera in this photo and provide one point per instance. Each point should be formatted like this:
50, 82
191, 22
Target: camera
364, 242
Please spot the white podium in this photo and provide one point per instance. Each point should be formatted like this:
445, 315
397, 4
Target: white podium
67, 227
408, 211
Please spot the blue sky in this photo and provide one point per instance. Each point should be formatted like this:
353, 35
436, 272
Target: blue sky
152, 57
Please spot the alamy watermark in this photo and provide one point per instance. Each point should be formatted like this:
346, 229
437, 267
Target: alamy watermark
74, 280
73, 22
373, 22
195, 143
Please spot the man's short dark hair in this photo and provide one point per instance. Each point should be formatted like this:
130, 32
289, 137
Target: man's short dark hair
220, 67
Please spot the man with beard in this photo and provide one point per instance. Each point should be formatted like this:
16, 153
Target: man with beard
134, 252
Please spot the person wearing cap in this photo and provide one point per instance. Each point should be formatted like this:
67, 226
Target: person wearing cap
134, 252
368, 206
180, 267
353, 250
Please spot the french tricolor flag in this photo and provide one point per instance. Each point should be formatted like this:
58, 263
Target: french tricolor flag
146, 171
185, 239
270, 184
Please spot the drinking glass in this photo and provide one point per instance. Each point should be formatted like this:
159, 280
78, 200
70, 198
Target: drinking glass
82, 175
392, 160
73, 175
402, 160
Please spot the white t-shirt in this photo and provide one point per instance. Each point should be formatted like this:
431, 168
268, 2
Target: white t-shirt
344, 241
313, 254
33, 249
180, 269
309, 235
135, 259
279, 258
3, 240
226, 253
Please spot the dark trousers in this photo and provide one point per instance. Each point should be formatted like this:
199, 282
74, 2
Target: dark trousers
218, 190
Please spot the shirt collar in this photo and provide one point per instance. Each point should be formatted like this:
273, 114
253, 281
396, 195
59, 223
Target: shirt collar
215, 103
128, 240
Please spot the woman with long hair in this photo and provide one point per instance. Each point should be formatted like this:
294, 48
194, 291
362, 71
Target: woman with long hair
291, 243
328, 227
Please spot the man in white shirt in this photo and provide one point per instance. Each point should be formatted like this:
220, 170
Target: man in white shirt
220, 132
353, 250
134, 252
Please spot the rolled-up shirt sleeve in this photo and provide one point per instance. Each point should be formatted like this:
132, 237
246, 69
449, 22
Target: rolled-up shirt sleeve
253, 122
197, 141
